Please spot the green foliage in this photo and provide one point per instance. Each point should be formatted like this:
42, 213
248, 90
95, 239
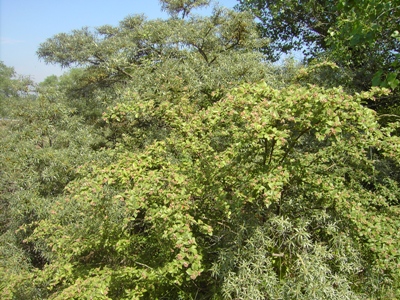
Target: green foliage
12, 88
198, 58
175, 7
12, 85
265, 194
293, 25
366, 34
42, 142
203, 53
176, 163
361, 37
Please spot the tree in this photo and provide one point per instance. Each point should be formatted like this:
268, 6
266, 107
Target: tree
12, 88
366, 35
293, 25
200, 57
207, 52
176, 7
360, 36
42, 141
197, 57
254, 197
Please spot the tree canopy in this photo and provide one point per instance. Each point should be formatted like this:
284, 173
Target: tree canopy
174, 161
359, 35
293, 25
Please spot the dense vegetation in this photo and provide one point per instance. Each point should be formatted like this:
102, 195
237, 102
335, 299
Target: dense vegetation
174, 160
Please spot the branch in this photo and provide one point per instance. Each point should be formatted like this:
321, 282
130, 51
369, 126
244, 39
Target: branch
124, 72
294, 143
202, 53
117, 68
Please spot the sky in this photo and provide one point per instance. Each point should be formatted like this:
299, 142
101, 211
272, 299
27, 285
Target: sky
25, 24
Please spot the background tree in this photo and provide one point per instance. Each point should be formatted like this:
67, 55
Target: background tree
12, 88
176, 7
43, 140
365, 37
361, 36
293, 25
200, 57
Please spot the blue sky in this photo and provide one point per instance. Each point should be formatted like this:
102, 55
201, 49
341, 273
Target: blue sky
24, 24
